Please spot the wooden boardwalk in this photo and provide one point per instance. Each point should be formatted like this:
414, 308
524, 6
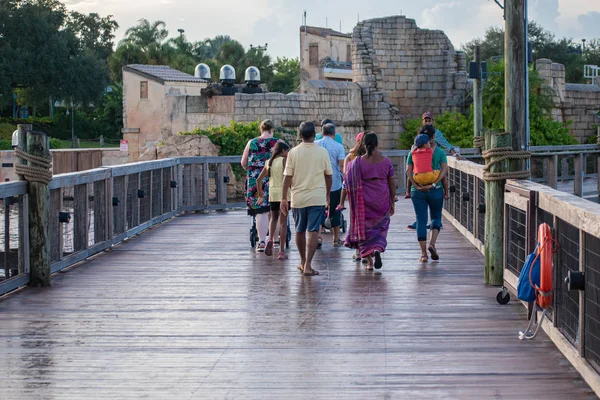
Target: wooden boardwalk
189, 311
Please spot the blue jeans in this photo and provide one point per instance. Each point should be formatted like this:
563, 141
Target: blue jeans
433, 200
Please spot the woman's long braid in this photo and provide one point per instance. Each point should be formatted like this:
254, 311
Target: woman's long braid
370, 142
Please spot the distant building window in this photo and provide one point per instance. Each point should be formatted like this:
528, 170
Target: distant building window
348, 53
143, 89
313, 55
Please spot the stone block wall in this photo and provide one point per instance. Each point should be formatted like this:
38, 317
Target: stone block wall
404, 71
577, 103
342, 104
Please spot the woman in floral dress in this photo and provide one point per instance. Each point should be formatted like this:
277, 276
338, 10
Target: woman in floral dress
256, 154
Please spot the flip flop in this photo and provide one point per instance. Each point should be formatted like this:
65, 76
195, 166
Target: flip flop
340, 208
300, 268
311, 273
319, 243
378, 263
269, 248
434, 254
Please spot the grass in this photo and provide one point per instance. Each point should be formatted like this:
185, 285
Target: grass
84, 144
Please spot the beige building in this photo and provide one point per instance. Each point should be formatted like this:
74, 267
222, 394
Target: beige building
148, 91
325, 54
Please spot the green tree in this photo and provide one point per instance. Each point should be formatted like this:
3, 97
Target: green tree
286, 76
146, 34
46, 54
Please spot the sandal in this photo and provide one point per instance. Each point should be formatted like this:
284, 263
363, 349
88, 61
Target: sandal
300, 268
319, 243
340, 208
261, 247
338, 243
369, 266
282, 256
269, 248
356, 257
312, 272
434, 254
378, 262
424, 258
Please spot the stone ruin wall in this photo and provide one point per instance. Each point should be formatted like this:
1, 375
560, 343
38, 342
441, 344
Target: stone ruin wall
578, 103
403, 71
342, 104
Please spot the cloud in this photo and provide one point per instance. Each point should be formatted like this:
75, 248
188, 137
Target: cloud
454, 16
545, 12
588, 24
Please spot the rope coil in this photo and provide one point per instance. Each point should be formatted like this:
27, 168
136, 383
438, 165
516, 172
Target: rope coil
39, 170
479, 142
503, 154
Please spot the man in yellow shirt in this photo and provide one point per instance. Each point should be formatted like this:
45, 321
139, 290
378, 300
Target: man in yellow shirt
308, 175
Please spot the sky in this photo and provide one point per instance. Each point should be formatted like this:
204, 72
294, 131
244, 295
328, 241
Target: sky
277, 22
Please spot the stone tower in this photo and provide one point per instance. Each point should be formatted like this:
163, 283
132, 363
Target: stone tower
404, 71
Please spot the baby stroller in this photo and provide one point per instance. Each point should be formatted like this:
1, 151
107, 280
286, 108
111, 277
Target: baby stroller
254, 234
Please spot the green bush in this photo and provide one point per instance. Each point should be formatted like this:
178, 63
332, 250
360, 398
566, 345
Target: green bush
456, 127
5, 144
232, 138
55, 143
43, 124
6, 130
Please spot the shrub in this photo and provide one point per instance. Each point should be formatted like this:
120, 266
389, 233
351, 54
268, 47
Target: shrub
232, 138
456, 127
55, 143
5, 144
6, 130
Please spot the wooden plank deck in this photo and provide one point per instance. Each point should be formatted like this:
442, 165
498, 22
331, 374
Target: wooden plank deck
188, 310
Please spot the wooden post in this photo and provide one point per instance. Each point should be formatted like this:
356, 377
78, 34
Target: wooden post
56, 230
579, 174
38, 144
23, 210
564, 166
100, 212
478, 97
515, 97
494, 216
80, 219
221, 186
552, 171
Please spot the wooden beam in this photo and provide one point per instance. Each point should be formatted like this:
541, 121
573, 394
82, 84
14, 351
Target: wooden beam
494, 216
80, 219
579, 174
38, 144
515, 96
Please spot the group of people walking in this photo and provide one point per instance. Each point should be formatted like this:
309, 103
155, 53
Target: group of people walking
316, 178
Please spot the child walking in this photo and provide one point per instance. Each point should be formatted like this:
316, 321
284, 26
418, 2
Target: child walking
274, 170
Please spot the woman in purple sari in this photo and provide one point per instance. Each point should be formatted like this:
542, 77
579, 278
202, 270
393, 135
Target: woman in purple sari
371, 190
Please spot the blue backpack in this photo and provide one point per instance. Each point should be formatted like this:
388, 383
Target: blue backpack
525, 291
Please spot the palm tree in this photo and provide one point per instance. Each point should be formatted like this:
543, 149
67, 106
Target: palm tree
145, 34
217, 43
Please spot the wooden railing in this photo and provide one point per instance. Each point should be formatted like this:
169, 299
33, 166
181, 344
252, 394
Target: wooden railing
575, 316
93, 210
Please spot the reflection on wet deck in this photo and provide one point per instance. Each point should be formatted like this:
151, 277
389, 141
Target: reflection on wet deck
188, 310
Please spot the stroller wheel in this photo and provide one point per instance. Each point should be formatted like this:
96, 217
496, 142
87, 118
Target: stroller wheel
503, 297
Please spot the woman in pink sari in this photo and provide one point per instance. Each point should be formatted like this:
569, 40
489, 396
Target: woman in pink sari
371, 190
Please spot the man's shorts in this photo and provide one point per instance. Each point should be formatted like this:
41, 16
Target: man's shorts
308, 218
276, 205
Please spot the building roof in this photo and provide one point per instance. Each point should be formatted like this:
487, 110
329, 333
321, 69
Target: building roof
161, 73
324, 32
582, 87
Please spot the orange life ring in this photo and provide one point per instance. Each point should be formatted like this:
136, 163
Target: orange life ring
545, 241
